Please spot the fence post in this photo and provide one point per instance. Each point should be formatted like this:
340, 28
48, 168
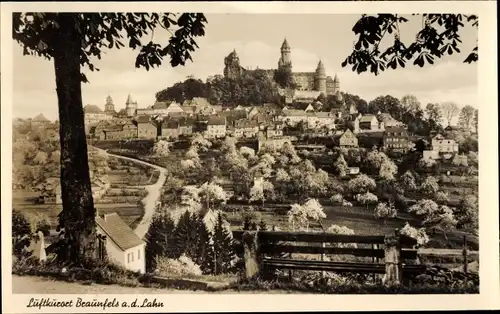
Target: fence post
465, 255
392, 259
251, 254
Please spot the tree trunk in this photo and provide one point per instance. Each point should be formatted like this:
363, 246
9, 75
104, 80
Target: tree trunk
77, 217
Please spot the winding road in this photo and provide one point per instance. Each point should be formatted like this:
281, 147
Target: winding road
153, 196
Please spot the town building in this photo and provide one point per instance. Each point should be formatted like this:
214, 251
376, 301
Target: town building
245, 128
92, 115
122, 245
293, 116
442, 144
396, 139
170, 129
347, 139
146, 127
369, 123
321, 119
216, 127
274, 131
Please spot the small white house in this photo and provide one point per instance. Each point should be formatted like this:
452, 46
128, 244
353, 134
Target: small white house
123, 246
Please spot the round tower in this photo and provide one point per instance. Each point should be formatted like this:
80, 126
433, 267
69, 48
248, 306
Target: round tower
110, 106
336, 84
285, 59
130, 106
320, 78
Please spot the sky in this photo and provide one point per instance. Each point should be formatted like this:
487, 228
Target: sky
257, 39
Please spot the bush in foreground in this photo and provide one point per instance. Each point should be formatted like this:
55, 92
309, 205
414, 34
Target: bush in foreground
91, 271
352, 288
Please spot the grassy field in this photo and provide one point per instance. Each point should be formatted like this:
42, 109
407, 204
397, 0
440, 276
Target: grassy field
127, 208
358, 218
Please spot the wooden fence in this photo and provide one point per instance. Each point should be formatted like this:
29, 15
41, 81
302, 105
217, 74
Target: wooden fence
263, 251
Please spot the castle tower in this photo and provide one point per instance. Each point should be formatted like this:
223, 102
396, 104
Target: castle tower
232, 67
109, 106
336, 84
130, 106
285, 59
320, 78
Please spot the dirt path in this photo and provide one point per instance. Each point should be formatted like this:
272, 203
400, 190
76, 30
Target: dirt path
151, 199
35, 285
41, 285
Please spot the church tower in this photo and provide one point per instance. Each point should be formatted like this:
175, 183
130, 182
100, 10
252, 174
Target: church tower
285, 59
130, 106
109, 106
320, 78
336, 84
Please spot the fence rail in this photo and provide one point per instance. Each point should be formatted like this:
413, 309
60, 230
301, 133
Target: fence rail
264, 250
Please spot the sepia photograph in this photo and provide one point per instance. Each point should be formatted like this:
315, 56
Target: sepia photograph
243, 153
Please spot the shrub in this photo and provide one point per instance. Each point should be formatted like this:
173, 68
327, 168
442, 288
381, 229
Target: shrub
337, 198
384, 211
183, 266
21, 233
97, 271
418, 234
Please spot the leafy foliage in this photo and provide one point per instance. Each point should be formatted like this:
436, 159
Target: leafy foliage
38, 33
21, 233
182, 91
384, 211
418, 234
223, 248
252, 88
159, 239
361, 184
440, 35
301, 215
283, 76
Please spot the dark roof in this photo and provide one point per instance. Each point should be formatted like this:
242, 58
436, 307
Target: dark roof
186, 121
143, 119
92, 109
162, 104
170, 124
216, 120
370, 139
367, 118
395, 131
119, 231
245, 123
233, 115
40, 118
114, 127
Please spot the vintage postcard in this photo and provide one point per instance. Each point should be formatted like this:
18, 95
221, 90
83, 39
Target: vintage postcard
257, 156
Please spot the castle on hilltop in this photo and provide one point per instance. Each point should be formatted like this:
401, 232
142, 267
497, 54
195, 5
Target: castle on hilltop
305, 81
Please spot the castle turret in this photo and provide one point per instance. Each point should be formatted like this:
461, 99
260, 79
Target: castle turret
285, 59
320, 78
130, 106
336, 84
232, 67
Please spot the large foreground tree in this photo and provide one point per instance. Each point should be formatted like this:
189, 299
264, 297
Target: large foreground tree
71, 40
438, 36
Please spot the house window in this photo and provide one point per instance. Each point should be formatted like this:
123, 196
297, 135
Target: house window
130, 257
139, 254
